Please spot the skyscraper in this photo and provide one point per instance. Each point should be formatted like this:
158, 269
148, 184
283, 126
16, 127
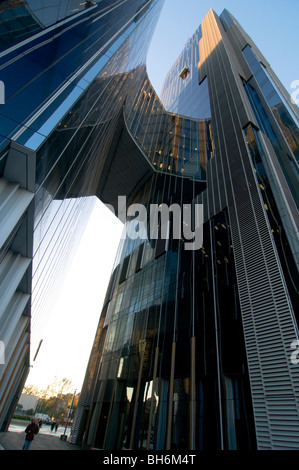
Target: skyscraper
60, 64
193, 347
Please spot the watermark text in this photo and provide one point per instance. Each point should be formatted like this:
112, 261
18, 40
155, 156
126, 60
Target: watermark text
295, 353
2, 353
2, 92
295, 93
161, 221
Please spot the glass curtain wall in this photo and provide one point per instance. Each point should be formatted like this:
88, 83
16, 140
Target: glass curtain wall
62, 102
163, 372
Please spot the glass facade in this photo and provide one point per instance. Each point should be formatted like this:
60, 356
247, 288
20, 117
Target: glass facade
180, 359
281, 113
60, 62
162, 316
171, 366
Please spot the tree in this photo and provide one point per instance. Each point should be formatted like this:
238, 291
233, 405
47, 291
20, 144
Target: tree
61, 387
55, 398
31, 390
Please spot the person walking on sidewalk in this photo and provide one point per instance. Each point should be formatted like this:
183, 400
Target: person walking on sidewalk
30, 431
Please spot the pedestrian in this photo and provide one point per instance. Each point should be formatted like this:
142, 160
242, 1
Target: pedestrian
53, 424
30, 431
56, 426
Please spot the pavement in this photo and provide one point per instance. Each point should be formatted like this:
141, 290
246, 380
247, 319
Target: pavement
14, 438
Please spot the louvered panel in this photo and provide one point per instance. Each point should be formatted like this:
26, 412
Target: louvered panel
269, 326
10, 379
12, 314
83, 402
11, 274
13, 204
15, 280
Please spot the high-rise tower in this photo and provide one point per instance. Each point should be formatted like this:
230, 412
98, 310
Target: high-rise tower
193, 347
57, 124
194, 344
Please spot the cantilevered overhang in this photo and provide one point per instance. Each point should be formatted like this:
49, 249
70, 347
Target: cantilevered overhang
127, 169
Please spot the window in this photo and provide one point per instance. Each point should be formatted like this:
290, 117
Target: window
184, 73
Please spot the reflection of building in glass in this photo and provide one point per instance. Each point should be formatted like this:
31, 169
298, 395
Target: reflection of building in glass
192, 350
61, 65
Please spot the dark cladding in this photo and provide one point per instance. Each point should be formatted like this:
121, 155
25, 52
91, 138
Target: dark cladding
192, 349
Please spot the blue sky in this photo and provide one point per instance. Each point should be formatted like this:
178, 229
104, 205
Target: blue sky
272, 24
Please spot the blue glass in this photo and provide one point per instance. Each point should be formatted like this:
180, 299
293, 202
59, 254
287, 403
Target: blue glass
266, 117
43, 68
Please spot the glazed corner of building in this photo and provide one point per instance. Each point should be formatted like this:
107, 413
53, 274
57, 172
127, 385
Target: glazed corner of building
243, 155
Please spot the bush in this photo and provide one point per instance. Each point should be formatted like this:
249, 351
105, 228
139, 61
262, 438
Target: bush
25, 418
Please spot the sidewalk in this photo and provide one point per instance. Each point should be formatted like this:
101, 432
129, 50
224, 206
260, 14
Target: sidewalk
14, 440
